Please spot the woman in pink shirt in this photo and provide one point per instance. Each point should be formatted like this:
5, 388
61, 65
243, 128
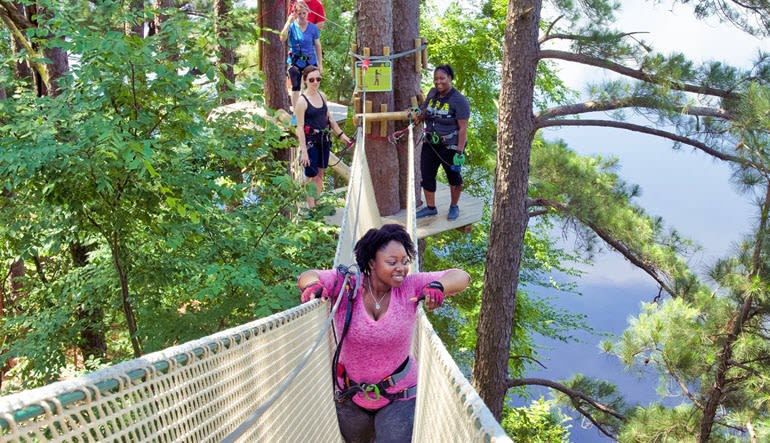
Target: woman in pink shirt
376, 375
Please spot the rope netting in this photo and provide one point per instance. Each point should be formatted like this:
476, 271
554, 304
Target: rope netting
268, 380
196, 392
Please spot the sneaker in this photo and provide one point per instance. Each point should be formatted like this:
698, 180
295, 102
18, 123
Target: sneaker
426, 212
293, 121
454, 212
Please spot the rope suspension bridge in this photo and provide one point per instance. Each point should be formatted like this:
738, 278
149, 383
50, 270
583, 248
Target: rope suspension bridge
267, 380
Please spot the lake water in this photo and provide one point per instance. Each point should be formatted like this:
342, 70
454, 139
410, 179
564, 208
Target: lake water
608, 308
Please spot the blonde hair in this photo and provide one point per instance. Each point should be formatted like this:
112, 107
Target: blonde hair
301, 5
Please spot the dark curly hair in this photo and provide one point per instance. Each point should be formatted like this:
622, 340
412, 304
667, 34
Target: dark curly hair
447, 70
376, 239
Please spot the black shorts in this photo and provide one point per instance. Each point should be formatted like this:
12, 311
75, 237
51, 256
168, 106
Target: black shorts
318, 149
431, 158
295, 75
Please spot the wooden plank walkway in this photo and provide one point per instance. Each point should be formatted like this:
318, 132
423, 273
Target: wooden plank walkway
471, 211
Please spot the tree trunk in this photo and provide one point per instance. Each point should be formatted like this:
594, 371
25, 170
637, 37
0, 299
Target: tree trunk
272, 63
406, 81
58, 67
17, 277
375, 31
272, 57
59, 64
125, 297
135, 26
172, 52
733, 330
38, 78
22, 69
225, 51
92, 341
509, 213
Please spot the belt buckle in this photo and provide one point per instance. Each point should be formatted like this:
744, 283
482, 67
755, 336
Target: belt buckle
367, 389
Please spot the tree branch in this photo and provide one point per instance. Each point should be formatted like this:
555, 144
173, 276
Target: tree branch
571, 393
538, 213
652, 131
579, 37
637, 74
598, 425
614, 243
681, 384
628, 102
15, 23
547, 35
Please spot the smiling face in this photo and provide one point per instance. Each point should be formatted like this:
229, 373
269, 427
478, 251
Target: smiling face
442, 81
390, 266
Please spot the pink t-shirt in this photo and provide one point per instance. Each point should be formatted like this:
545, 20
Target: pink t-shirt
373, 349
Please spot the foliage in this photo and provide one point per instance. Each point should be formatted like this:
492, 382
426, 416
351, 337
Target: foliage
469, 39
127, 163
535, 315
753, 16
540, 422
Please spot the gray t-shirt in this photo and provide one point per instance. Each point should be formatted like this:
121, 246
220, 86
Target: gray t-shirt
442, 113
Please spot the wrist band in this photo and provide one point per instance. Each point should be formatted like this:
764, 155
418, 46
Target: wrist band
311, 284
435, 284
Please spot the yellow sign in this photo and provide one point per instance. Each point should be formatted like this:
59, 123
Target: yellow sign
377, 77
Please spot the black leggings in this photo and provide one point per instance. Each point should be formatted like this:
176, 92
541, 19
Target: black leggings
431, 158
391, 424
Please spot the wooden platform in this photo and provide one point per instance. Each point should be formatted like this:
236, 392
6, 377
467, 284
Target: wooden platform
471, 211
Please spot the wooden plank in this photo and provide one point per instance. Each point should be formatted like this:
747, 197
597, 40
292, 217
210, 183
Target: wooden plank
471, 211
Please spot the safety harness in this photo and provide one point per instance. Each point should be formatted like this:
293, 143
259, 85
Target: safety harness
434, 138
372, 391
299, 58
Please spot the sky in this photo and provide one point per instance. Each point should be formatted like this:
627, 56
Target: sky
689, 189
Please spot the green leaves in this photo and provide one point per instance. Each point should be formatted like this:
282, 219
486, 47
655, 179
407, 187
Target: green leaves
187, 220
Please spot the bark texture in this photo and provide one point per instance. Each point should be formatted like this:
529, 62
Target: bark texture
92, 340
509, 213
272, 56
406, 81
225, 50
272, 62
375, 31
22, 69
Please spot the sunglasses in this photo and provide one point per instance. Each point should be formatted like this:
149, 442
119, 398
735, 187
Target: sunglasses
314, 79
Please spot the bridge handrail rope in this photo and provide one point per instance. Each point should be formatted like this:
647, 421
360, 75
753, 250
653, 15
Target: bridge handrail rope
356, 178
40, 414
393, 56
411, 204
254, 417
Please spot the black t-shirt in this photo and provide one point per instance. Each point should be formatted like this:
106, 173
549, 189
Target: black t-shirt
442, 113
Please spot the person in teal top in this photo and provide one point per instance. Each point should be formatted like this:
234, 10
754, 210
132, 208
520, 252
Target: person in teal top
304, 46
